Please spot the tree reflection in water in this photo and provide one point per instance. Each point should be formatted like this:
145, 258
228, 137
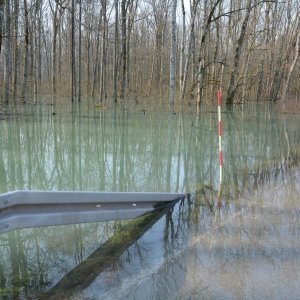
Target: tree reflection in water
247, 248
243, 250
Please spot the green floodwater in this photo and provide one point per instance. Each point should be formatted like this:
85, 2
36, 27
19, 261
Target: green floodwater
249, 248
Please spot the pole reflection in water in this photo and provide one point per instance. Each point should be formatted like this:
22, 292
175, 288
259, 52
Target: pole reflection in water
248, 248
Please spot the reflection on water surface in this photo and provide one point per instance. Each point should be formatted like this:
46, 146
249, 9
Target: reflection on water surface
247, 249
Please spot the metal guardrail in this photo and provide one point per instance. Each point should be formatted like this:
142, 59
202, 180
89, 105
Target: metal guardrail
22, 209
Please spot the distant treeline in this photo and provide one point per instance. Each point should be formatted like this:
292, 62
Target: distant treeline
111, 49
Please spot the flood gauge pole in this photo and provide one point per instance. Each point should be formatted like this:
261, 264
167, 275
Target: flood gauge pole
220, 147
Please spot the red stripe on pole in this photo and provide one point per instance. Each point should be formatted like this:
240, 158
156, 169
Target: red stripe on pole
220, 128
220, 158
219, 97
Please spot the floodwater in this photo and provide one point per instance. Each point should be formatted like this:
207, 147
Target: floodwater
244, 244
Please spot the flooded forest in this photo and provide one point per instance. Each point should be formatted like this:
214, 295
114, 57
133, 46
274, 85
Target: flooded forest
119, 99
179, 50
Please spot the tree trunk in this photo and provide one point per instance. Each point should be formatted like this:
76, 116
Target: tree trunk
1, 22
201, 57
26, 52
173, 58
198, 80
39, 54
55, 27
96, 59
88, 58
73, 59
191, 50
124, 48
115, 62
233, 85
103, 53
261, 68
158, 50
79, 52
183, 42
16, 48
227, 39
35, 47
296, 56
7, 52
285, 49
130, 22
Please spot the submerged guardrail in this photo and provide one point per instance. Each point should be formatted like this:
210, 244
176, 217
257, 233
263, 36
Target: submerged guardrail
23, 209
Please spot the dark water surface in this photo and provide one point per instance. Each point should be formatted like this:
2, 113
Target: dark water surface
248, 248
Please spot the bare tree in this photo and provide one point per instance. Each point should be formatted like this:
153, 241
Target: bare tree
103, 92
160, 15
173, 58
73, 58
16, 47
183, 43
233, 84
79, 51
285, 44
116, 52
208, 19
191, 49
26, 52
261, 67
1, 22
124, 47
7, 51
55, 24
95, 73
117, 48
294, 62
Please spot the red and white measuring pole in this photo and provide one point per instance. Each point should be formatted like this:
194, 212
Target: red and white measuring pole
220, 136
